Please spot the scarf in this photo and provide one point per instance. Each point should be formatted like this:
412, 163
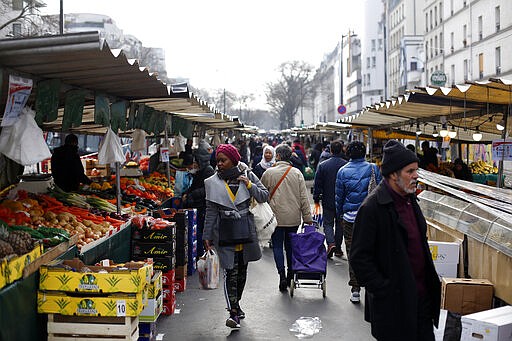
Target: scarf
263, 163
230, 174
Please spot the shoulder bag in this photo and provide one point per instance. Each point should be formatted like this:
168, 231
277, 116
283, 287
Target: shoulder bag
373, 182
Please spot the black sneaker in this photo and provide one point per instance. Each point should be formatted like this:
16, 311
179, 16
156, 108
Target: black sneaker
240, 313
233, 321
330, 250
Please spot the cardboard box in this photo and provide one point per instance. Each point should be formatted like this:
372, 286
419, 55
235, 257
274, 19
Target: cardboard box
163, 264
444, 252
165, 235
168, 278
129, 277
466, 296
489, 325
446, 269
155, 287
56, 302
152, 310
180, 285
153, 249
181, 272
11, 269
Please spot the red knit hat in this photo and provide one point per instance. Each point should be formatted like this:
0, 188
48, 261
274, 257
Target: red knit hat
230, 151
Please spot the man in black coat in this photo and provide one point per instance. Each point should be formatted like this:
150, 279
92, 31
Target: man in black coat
390, 254
67, 168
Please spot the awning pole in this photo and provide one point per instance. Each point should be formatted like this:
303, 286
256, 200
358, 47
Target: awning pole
370, 142
118, 187
166, 144
500, 183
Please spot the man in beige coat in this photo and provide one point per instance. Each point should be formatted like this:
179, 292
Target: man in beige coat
289, 201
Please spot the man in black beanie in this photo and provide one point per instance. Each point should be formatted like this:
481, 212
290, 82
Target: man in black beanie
390, 254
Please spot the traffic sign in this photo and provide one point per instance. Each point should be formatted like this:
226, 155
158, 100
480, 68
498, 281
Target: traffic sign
342, 109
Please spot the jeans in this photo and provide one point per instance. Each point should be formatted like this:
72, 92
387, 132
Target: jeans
333, 228
347, 232
280, 237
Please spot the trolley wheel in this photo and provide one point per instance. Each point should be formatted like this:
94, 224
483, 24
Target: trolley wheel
292, 287
324, 289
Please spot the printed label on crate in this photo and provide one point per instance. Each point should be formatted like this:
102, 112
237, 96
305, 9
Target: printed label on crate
88, 282
86, 307
121, 308
152, 249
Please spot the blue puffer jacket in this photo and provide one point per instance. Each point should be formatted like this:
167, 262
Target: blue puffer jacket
352, 185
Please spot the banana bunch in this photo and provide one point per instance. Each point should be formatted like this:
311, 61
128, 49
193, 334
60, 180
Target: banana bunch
481, 167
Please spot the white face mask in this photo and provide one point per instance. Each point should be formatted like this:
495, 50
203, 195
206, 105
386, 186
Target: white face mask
193, 171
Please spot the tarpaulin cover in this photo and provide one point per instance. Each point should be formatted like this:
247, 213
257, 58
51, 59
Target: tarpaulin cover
308, 251
118, 113
73, 109
101, 110
47, 100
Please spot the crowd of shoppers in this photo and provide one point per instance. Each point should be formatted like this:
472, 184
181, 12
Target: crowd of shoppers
383, 229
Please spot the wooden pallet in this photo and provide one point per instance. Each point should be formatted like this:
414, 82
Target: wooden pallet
92, 328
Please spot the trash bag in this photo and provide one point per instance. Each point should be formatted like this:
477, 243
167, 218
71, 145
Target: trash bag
23, 141
110, 150
208, 269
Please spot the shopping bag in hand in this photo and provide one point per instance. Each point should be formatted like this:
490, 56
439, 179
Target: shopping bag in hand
317, 214
208, 270
264, 220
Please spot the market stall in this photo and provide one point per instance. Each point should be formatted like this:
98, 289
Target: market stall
78, 85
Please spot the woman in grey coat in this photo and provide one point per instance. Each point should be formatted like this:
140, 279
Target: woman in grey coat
229, 225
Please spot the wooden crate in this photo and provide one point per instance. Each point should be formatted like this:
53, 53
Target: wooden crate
91, 328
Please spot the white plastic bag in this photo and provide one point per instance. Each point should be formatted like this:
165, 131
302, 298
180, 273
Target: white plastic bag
138, 140
179, 143
110, 150
208, 269
23, 141
264, 220
182, 182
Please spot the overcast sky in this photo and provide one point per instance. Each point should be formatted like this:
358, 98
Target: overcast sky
231, 44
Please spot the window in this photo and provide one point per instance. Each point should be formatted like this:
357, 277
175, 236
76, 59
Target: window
380, 43
497, 60
367, 62
481, 65
16, 30
451, 7
368, 80
480, 28
17, 5
452, 74
414, 66
364, 79
440, 12
464, 3
435, 45
441, 43
426, 22
451, 42
431, 20
426, 50
497, 17
466, 70
464, 35
374, 61
431, 49
435, 16
373, 44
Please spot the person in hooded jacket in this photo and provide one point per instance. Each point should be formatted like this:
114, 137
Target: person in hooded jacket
314, 157
229, 225
267, 161
194, 196
67, 169
352, 183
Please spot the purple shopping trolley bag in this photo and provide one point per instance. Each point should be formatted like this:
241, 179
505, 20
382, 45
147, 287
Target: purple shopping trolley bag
308, 251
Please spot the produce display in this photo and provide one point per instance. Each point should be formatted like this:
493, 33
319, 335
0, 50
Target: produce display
482, 167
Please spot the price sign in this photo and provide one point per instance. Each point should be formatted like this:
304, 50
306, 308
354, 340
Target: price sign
164, 154
121, 308
502, 149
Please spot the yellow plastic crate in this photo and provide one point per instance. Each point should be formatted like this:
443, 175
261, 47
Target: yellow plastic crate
126, 278
12, 269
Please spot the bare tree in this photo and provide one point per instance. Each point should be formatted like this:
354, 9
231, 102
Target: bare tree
286, 96
25, 11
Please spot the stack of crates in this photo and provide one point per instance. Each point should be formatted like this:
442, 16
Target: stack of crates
111, 296
182, 222
192, 241
148, 243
